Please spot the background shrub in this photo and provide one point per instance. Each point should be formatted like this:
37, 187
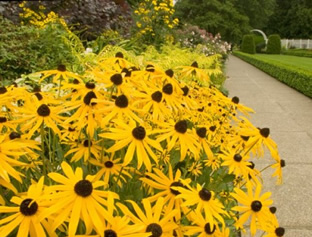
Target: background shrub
260, 43
248, 44
274, 44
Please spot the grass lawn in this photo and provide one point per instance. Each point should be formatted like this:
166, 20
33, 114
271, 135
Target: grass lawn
292, 70
301, 63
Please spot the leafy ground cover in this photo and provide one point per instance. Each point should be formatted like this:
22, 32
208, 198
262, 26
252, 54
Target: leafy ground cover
293, 71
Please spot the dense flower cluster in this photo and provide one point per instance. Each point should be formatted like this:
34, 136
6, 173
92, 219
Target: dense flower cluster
194, 37
154, 19
131, 149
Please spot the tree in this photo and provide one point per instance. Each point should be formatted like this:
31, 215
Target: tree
258, 11
291, 19
215, 17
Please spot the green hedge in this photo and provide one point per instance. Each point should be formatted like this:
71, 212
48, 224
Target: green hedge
274, 44
298, 52
299, 80
248, 44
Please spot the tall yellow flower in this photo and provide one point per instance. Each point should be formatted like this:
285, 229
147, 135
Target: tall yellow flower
26, 216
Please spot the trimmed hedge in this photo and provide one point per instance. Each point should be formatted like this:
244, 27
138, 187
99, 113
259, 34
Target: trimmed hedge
298, 52
274, 44
299, 80
248, 44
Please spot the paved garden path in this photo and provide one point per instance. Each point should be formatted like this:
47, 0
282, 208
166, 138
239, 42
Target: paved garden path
288, 114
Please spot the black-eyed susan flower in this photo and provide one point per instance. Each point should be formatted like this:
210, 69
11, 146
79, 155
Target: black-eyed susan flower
60, 73
26, 214
75, 198
137, 137
111, 169
201, 226
152, 218
120, 108
278, 170
203, 200
164, 184
237, 164
85, 149
254, 206
177, 133
34, 114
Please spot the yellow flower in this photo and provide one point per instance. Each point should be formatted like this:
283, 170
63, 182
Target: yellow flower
26, 216
76, 198
254, 206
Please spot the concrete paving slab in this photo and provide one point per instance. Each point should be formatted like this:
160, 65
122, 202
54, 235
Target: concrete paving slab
288, 114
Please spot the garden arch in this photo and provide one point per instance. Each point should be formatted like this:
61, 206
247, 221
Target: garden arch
263, 34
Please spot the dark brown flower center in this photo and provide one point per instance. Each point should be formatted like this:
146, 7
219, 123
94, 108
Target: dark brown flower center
127, 72
245, 138
3, 119
119, 55
235, 100
27, 210
87, 143
205, 194
265, 132
168, 89
194, 64
116, 79
208, 229
139, 133
36, 88
14, 135
169, 73
212, 128
201, 132
90, 85
155, 229
39, 96
110, 233
157, 96
238, 157
280, 231
61, 68
251, 165
175, 184
121, 101
185, 90
282, 163
108, 164
150, 68
256, 206
88, 97
3, 90
83, 188
181, 126
70, 129
43, 110
75, 81
273, 210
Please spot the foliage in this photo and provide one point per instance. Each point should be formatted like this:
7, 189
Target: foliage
291, 19
248, 44
154, 21
260, 43
89, 17
298, 52
215, 17
274, 44
85, 152
294, 77
257, 11
195, 38
49, 46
